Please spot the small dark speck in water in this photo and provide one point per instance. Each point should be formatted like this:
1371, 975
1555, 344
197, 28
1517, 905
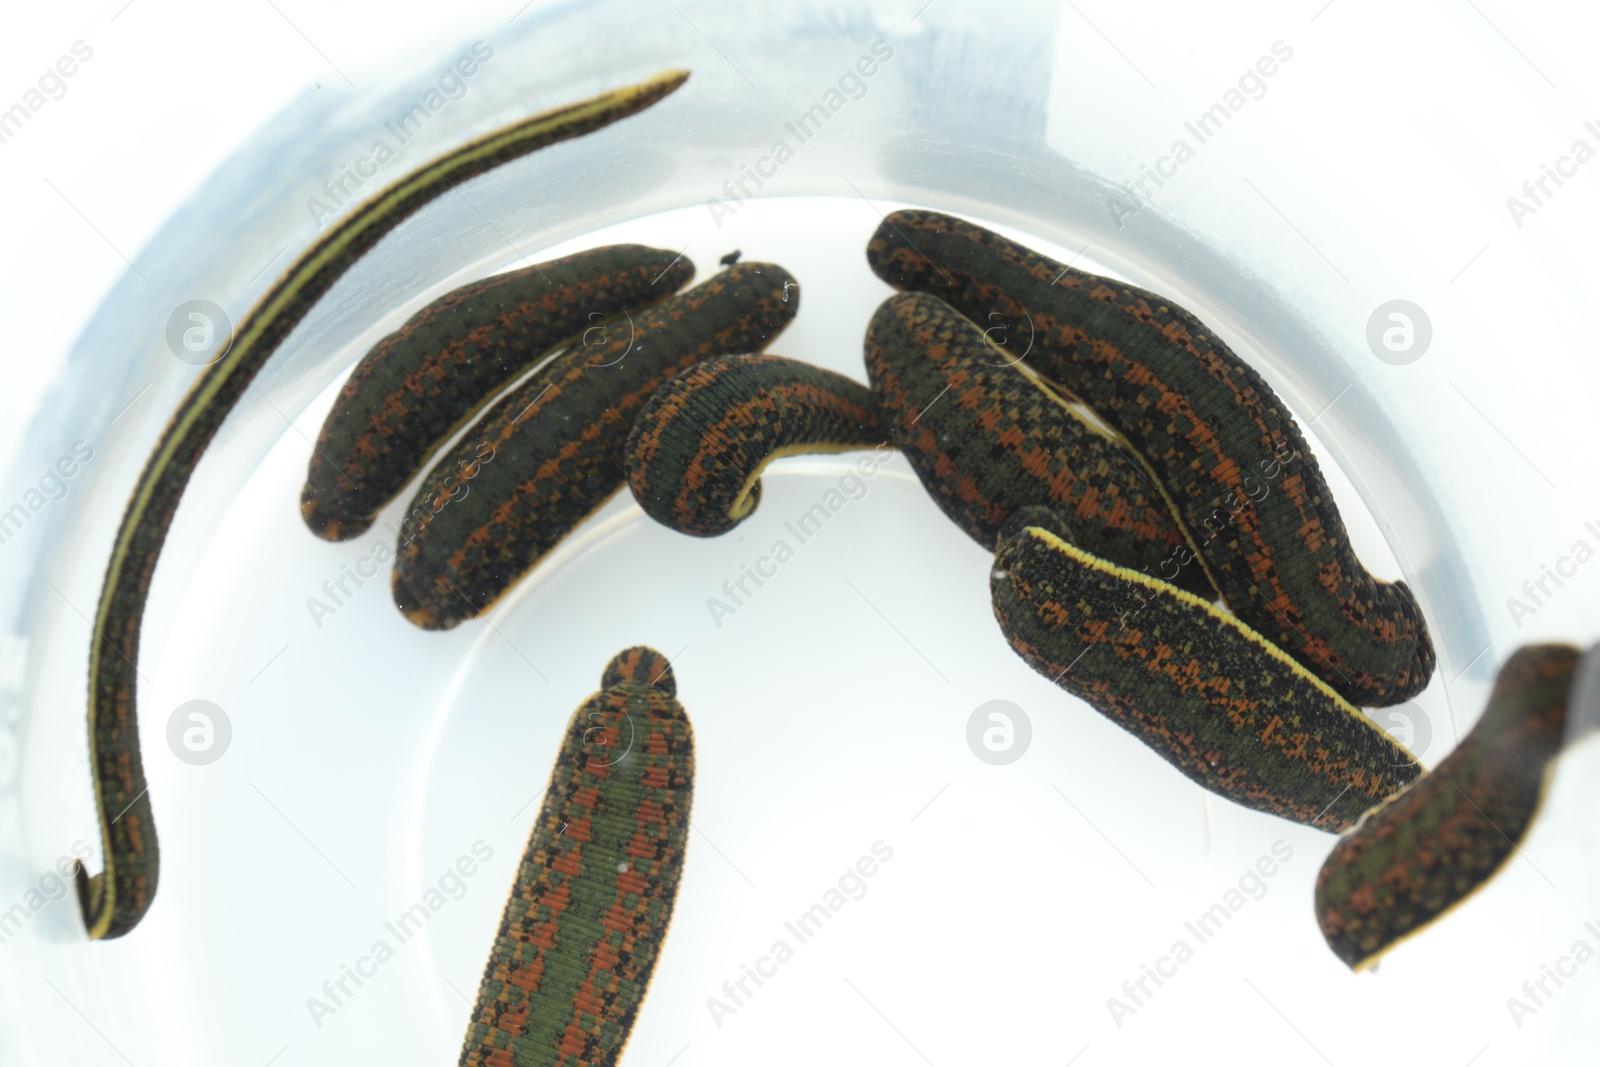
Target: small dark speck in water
731, 258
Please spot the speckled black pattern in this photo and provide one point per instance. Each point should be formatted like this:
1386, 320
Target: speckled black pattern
1227, 452
422, 383
699, 445
987, 438
1211, 696
1426, 849
557, 445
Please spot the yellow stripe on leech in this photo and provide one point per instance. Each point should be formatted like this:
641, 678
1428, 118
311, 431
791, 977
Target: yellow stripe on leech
1074, 406
743, 505
1067, 401
1156, 585
1055, 392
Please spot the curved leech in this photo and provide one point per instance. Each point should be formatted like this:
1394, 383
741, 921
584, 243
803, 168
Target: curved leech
557, 442
698, 447
1427, 848
594, 892
432, 376
114, 900
1213, 431
1214, 698
987, 436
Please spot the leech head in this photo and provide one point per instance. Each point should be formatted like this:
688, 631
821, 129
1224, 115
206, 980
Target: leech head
640, 665
413, 609
326, 526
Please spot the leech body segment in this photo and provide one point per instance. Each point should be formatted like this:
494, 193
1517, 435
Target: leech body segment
987, 437
697, 450
1234, 713
558, 442
422, 383
584, 924
1426, 849
1212, 430
114, 900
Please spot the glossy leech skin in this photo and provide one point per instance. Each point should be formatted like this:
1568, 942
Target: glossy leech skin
558, 442
422, 383
986, 438
1428, 848
1213, 432
594, 892
113, 901
699, 445
1221, 703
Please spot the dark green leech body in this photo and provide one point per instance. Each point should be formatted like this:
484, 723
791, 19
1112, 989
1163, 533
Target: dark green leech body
1429, 847
558, 443
1214, 698
594, 893
986, 438
698, 447
1214, 433
114, 900
430, 377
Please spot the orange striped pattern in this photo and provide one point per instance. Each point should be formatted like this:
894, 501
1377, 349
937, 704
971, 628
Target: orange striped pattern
1242, 481
559, 441
695, 455
583, 928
